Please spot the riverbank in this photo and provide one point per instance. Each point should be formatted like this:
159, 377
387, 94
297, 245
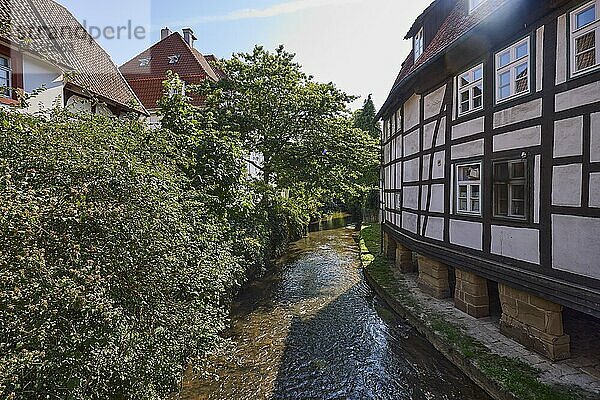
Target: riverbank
472, 345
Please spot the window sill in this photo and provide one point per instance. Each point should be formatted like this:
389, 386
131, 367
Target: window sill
587, 71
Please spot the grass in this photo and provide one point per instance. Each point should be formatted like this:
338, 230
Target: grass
512, 374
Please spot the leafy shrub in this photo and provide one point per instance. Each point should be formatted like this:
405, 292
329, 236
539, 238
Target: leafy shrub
113, 274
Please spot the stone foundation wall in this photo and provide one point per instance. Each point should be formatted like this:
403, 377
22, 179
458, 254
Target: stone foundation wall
534, 322
404, 260
433, 277
471, 294
389, 246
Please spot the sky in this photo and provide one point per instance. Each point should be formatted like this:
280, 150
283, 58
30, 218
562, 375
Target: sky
357, 44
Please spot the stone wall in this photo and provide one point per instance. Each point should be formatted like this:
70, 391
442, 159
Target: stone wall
433, 277
534, 322
471, 294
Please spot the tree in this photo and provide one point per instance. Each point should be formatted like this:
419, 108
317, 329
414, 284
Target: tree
302, 128
365, 118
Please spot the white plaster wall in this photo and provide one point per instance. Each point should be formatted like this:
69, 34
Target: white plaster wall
409, 222
429, 131
439, 165
411, 197
568, 137
411, 170
566, 185
594, 199
433, 102
469, 149
466, 234
46, 100
79, 105
424, 195
412, 143
398, 168
437, 198
575, 245
411, 112
518, 243
518, 113
38, 74
561, 50
595, 138
521, 138
425, 168
435, 228
102, 109
580, 96
471, 127
539, 58
536, 188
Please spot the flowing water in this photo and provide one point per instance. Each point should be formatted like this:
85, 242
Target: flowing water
314, 330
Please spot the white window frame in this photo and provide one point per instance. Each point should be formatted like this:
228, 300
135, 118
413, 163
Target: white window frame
8, 70
511, 68
576, 33
469, 88
418, 44
474, 4
469, 184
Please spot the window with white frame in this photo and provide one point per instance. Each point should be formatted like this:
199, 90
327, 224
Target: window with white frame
470, 90
418, 44
5, 77
512, 71
585, 36
473, 4
468, 188
510, 189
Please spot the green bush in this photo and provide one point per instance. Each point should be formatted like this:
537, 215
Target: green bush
113, 273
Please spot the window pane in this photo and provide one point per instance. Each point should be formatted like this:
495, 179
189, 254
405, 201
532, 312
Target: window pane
475, 191
518, 208
464, 101
522, 50
464, 80
501, 171
518, 170
477, 96
4, 62
518, 192
504, 85
475, 205
521, 78
504, 59
462, 205
586, 42
501, 199
586, 17
586, 60
462, 191
464, 107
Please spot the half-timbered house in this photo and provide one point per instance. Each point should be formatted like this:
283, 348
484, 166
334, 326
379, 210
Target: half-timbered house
491, 162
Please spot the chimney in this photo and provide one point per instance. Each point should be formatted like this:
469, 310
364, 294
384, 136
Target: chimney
164, 33
188, 36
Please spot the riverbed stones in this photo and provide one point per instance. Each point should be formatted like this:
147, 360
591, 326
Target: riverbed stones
471, 294
534, 322
433, 277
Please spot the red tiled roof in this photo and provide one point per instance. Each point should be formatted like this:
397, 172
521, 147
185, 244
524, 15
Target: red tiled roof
455, 27
33, 24
147, 81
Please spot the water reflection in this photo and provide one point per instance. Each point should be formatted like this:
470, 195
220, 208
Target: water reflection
315, 330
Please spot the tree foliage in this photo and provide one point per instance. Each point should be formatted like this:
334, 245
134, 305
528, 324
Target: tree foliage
365, 119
